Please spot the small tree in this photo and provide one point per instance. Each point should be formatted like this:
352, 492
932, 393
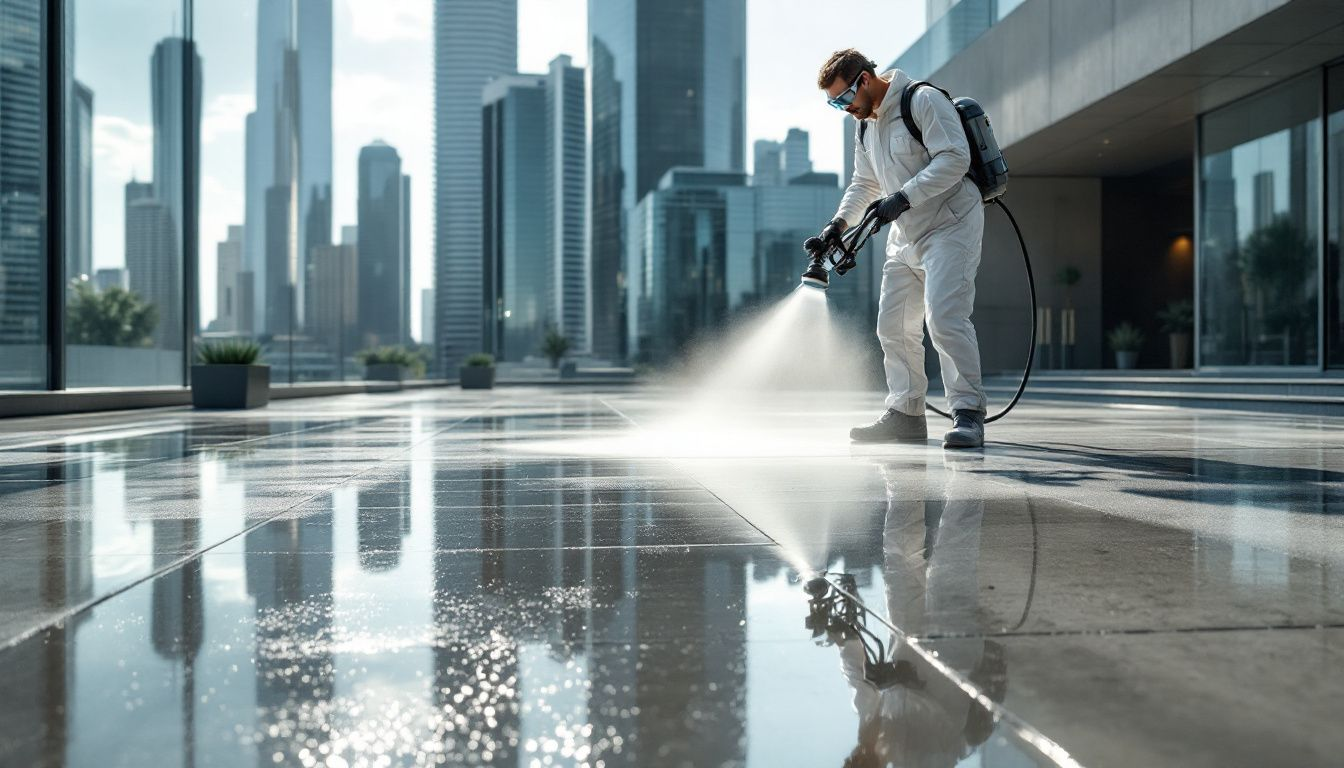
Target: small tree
554, 346
114, 317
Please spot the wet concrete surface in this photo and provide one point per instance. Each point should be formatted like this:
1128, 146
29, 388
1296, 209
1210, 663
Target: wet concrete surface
569, 577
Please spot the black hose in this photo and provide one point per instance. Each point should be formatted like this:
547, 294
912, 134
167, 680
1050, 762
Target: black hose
1031, 348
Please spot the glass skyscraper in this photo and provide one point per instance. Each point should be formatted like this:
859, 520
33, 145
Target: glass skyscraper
474, 40
666, 89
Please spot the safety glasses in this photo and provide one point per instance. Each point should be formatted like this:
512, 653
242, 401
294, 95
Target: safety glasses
846, 97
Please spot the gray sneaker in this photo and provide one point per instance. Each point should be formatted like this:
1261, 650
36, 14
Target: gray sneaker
891, 427
968, 430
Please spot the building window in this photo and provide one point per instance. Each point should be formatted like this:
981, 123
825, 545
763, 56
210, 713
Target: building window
1334, 196
1260, 229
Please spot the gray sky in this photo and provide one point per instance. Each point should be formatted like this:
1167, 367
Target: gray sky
383, 89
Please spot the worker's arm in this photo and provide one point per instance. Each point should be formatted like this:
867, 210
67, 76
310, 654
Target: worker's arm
945, 141
863, 188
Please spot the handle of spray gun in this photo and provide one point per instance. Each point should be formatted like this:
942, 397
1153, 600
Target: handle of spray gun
853, 241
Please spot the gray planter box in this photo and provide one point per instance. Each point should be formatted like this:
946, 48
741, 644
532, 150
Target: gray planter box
569, 369
230, 386
385, 372
476, 377
1126, 360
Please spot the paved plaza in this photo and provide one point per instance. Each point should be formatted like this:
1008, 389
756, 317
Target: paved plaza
612, 577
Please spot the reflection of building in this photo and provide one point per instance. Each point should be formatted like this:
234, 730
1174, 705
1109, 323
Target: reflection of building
111, 277
153, 260
474, 40
384, 264
666, 89
566, 196
288, 165
229, 265
517, 280
79, 183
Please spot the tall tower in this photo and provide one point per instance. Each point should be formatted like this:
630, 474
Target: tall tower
288, 165
666, 88
566, 191
384, 307
22, 260
474, 40
170, 134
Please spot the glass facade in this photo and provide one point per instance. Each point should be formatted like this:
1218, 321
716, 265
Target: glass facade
23, 189
1334, 220
1260, 229
167, 177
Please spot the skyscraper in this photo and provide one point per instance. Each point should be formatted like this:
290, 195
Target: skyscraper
22, 259
797, 154
474, 40
153, 260
288, 165
427, 324
228, 265
384, 269
517, 279
167, 67
666, 88
566, 193
767, 163
335, 300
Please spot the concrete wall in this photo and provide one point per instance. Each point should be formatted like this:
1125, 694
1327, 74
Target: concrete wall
1052, 58
1061, 221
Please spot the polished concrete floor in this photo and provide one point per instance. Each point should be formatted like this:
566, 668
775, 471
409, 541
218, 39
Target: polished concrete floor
605, 578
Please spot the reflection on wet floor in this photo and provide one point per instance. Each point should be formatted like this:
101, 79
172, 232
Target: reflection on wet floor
432, 578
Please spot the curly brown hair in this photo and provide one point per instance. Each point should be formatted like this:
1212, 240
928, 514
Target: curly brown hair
846, 65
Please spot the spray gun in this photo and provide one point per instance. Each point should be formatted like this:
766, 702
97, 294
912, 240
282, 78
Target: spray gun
842, 255
834, 614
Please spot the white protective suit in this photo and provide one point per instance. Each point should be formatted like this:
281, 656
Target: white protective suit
933, 249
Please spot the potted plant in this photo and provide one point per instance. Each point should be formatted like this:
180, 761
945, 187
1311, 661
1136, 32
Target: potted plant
1178, 321
390, 364
1126, 340
229, 376
554, 346
477, 371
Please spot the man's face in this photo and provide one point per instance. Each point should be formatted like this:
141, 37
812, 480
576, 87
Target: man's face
861, 108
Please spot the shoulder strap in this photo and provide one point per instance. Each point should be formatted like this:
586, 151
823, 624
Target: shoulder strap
907, 99
863, 129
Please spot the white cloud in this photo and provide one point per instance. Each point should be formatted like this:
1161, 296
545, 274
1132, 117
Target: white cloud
382, 21
122, 148
225, 114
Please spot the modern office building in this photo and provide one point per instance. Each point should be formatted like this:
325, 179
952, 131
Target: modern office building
111, 277
566, 198
336, 296
767, 167
517, 279
704, 246
1171, 150
228, 266
666, 88
384, 264
474, 41
797, 154
427, 324
288, 158
175, 58
153, 259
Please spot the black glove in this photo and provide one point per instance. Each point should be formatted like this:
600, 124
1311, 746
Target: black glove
891, 207
830, 237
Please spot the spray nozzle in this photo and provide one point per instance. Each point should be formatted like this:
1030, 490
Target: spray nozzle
840, 255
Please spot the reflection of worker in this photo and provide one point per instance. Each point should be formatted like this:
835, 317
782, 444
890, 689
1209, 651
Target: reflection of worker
930, 554
933, 252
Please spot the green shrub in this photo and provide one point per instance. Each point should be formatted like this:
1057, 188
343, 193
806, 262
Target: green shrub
479, 360
237, 352
114, 317
410, 359
1178, 317
1125, 337
554, 346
